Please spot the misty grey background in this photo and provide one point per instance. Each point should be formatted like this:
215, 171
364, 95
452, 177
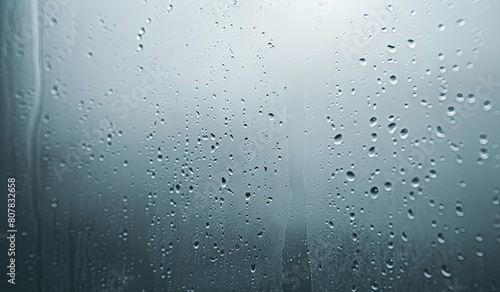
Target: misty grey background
253, 145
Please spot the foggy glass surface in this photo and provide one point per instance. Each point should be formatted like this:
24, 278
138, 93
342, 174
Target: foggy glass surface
263, 145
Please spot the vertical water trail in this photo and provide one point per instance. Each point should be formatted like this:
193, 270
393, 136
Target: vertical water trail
33, 142
295, 257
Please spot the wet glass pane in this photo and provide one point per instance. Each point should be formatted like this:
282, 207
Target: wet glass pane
250, 145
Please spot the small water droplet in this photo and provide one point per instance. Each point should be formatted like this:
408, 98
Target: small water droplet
411, 43
404, 133
415, 182
337, 139
391, 49
440, 238
445, 271
253, 268
350, 176
392, 128
53, 204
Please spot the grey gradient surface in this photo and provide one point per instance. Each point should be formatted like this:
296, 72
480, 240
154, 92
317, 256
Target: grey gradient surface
263, 145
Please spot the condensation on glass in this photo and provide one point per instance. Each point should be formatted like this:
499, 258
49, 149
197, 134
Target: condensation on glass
254, 145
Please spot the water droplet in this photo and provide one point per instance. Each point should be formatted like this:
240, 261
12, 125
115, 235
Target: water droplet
459, 209
372, 152
350, 176
253, 268
427, 274
440, 238
415, 182
439, 132
483, 139
451, 111
411, 43
392, 128
391, 49
483, 153
53, 204
445, 271
404, 133
487, 105
337, 139
139, 48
